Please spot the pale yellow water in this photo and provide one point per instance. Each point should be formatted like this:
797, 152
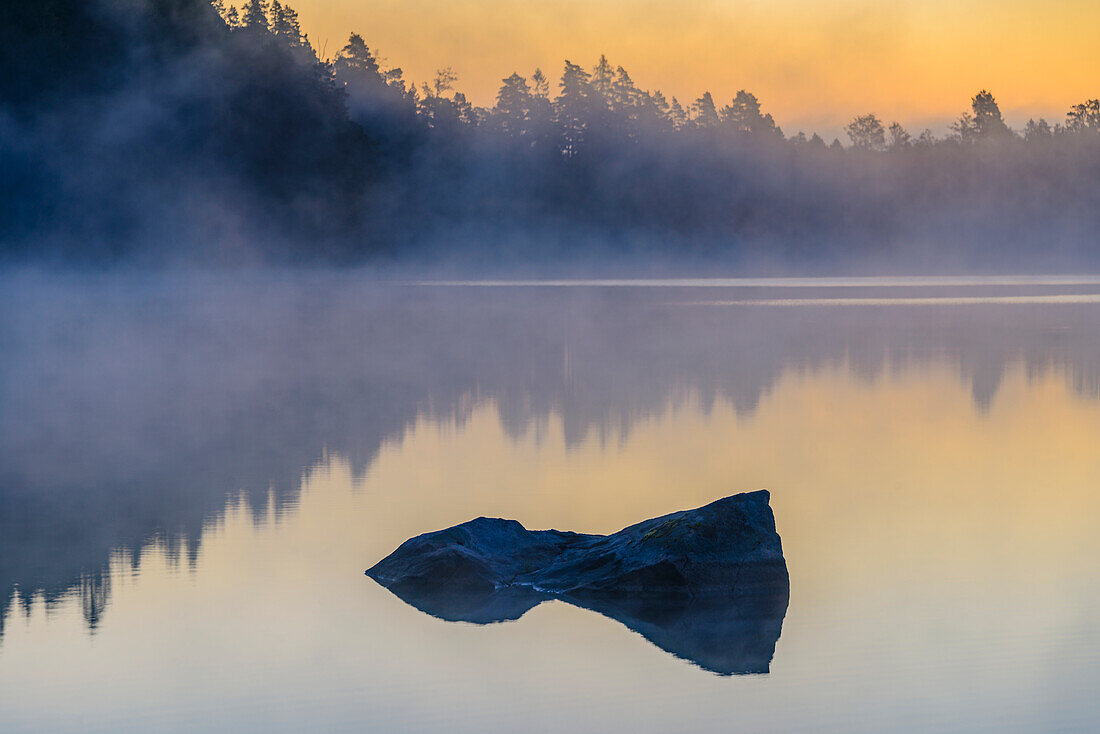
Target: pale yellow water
935, 479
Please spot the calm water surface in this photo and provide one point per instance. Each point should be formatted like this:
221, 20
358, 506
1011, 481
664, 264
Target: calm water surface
194, 473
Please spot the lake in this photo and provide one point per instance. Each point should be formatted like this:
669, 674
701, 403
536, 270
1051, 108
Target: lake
196, 470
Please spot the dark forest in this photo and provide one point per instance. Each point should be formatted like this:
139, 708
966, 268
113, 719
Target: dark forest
163, 132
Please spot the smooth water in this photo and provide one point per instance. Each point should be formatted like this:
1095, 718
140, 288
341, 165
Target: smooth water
195, 472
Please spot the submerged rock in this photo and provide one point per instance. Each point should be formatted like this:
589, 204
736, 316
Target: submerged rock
709, 585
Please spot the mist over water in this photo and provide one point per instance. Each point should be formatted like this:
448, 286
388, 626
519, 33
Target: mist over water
125, 396
197, 469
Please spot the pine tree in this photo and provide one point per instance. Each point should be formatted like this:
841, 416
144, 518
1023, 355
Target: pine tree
987, 116
572, 108
982, 122
284, 23
602, 80
677, 115
512, 112
624, 94
743, 115
653, 110
541, 123
357, 58
255, 15
705, 115
540, 85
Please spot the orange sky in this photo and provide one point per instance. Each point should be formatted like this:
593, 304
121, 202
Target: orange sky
814, 65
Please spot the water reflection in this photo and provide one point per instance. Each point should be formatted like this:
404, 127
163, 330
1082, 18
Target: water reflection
731, 636
934, 472
133, 407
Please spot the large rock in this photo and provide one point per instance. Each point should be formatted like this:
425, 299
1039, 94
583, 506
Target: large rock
709, 585
481, 555
727, 547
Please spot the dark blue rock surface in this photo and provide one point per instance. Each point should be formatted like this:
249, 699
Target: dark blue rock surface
709, 585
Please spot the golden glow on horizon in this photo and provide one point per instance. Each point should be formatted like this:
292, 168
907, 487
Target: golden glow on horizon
813, 65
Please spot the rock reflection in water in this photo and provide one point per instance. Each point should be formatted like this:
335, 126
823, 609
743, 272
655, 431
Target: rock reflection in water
732, 635
709, 585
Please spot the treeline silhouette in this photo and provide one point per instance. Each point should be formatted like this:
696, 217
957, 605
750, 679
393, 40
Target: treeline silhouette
190, 131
